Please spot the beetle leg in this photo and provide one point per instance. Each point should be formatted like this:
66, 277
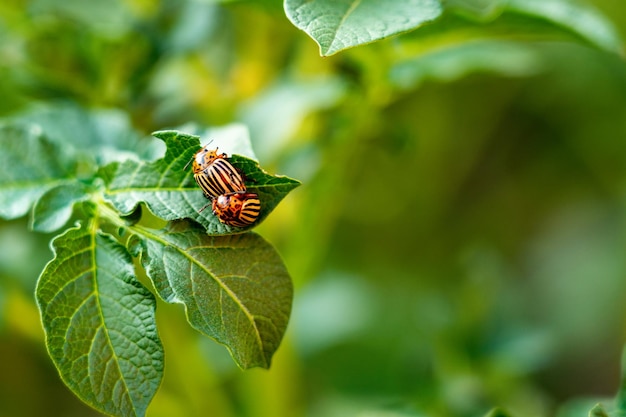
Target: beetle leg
187, 164
205, 206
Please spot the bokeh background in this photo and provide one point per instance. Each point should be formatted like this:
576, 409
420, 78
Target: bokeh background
459, 239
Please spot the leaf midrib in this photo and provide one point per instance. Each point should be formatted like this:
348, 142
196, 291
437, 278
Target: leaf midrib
350, 10
92, 235
91, 248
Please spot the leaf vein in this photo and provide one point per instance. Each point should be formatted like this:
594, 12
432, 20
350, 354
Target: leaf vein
101, 313
350, 10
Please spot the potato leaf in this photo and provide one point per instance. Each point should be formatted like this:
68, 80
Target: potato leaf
235, 288
171, 193
53, 210
100, 323
340, 24
30, 165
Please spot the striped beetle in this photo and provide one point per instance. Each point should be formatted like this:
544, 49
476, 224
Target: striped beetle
214, 174
239, 209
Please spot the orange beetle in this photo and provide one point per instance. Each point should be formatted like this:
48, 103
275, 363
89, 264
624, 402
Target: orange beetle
238, 209
214, 174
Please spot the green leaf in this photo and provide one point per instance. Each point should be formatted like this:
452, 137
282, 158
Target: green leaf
580, 19
340, 24
577, 17
29, 166
511, 59
235, 288
171, 193
102, 136
481, 10
100, 323
54, 208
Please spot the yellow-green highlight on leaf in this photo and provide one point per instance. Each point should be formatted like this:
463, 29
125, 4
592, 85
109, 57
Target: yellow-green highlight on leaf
497, 412
340, 24
100, 323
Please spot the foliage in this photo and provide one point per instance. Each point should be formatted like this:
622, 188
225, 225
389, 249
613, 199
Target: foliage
100, 324
457, 247
99, 319
337, 25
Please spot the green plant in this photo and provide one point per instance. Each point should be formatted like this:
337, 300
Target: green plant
98, 317
443, 149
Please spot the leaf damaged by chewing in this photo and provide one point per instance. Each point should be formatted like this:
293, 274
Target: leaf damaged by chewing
170, 192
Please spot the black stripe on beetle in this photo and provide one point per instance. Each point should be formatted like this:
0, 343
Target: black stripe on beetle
214, 174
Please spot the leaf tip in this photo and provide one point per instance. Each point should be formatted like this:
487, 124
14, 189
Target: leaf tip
165, 134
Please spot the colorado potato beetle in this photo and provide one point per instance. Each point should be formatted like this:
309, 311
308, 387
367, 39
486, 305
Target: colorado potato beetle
238, 209
214, 174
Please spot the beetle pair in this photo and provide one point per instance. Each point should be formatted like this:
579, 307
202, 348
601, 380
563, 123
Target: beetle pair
224, 186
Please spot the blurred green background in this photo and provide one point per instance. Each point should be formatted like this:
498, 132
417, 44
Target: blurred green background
459, 239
